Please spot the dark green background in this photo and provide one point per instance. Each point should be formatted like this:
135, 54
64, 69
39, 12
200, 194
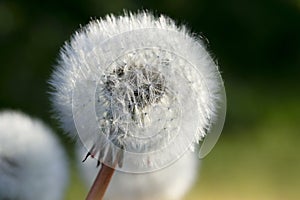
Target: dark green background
257, 45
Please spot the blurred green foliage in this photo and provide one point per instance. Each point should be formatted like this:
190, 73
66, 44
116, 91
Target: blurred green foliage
257, 45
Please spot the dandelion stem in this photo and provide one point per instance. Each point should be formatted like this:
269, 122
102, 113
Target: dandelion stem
101, 183
103, 178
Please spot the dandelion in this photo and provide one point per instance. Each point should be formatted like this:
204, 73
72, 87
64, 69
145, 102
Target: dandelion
170, 183
32, 163
138, 91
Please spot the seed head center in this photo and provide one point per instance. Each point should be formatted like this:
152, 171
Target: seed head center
135, 87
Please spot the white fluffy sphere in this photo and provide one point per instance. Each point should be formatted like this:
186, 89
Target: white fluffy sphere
171, 183
138, 89
33, 165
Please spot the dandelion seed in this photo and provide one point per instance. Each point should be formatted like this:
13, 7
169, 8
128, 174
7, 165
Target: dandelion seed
32, 163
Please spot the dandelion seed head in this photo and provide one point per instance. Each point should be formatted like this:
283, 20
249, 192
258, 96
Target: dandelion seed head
171, 183
32, 163
139, 85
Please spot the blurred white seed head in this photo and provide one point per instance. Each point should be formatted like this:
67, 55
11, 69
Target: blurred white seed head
32, 163
136, 88
171, 183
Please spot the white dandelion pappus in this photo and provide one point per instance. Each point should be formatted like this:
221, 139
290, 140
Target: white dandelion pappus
170, 183
32, 163
140, 90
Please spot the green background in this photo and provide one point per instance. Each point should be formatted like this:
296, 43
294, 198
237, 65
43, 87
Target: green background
257, 45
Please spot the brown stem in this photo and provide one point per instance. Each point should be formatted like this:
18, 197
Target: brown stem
101, 183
